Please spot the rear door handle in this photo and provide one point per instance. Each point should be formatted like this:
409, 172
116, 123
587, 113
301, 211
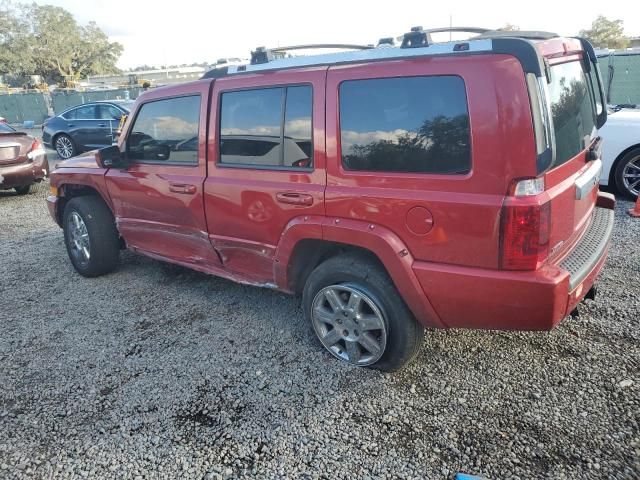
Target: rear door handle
294, 198
182, 188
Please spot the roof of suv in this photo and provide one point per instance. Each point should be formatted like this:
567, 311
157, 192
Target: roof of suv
520, 44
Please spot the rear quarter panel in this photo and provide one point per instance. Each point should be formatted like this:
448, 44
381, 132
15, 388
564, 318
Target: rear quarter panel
465, 208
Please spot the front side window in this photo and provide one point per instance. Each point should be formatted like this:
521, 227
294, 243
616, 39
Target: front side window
166, 131
109, 112
572, 110
252, 130
408, 124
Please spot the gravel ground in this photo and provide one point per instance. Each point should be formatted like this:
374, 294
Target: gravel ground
155, 371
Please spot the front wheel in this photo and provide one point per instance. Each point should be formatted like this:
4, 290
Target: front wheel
358, 315
91, 236
627, 174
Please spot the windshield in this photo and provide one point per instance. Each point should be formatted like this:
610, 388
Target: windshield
572, 110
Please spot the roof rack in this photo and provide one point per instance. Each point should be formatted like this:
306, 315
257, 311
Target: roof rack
264, 55
417, 42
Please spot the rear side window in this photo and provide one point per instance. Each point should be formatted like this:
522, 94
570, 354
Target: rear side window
166, 131
410, 124
572, 110
268, 127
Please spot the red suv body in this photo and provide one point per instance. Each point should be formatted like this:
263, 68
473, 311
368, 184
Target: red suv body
453, 184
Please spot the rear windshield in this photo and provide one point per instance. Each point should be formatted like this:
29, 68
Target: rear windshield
573, 110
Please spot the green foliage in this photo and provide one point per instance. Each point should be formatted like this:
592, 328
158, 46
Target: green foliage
605, 33
46, 40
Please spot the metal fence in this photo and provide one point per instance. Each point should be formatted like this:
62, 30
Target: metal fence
21, 107
36, 106
63, 99
623, 68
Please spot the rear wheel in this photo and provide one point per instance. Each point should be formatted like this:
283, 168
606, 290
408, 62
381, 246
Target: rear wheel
23, 190
91, 236
358, 315
65, 146
627, 173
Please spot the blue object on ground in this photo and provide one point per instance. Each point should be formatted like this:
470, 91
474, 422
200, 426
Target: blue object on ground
28, 124
465, 476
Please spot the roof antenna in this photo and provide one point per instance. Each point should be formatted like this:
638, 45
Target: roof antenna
450, 25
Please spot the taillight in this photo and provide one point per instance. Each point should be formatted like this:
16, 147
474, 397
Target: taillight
36, 149
525, 227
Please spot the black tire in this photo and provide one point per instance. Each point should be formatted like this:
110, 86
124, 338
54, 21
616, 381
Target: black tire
103, 238
23, 190
68, 150
631, 156
404, 334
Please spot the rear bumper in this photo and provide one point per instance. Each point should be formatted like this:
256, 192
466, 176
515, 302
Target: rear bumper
23, 174
503, 300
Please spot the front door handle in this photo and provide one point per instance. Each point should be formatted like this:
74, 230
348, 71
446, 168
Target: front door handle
182, 188
294, 198
102, 125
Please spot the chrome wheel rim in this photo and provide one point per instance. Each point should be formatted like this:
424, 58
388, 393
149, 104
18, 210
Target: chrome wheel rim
349, 324
79, 239
64, 147
631, 175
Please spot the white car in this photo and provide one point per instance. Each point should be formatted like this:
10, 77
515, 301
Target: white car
621, 151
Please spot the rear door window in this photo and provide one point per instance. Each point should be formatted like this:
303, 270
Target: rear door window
267, 127
409, 124
109, 112
572, 110
86, 112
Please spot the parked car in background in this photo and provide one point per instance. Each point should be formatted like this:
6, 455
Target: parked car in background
621, 151
84, 127
23, 160
383, 185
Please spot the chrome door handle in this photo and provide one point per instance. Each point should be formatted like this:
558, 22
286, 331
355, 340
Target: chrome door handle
182, 188
294, 198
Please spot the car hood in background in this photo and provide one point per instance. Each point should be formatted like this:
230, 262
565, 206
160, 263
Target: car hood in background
87, 160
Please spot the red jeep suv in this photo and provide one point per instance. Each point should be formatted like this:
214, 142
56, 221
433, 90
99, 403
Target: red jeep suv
394, 187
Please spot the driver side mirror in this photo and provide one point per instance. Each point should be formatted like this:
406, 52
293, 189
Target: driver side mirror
110, 157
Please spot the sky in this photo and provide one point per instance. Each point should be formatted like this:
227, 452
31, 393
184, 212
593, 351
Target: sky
187, 31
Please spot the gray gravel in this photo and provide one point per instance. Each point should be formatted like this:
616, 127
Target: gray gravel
159, 372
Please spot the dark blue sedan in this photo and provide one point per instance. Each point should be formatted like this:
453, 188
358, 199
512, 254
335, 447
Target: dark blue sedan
84, 127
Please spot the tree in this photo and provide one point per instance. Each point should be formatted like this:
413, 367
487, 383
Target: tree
47, 41
605, 33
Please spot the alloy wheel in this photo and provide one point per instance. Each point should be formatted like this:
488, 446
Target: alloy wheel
631, 175
349, 324
79, 239
64, 147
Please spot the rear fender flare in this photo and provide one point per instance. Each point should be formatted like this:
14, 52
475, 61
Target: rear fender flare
382, 242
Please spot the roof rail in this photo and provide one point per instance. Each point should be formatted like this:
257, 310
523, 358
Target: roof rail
265, 55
